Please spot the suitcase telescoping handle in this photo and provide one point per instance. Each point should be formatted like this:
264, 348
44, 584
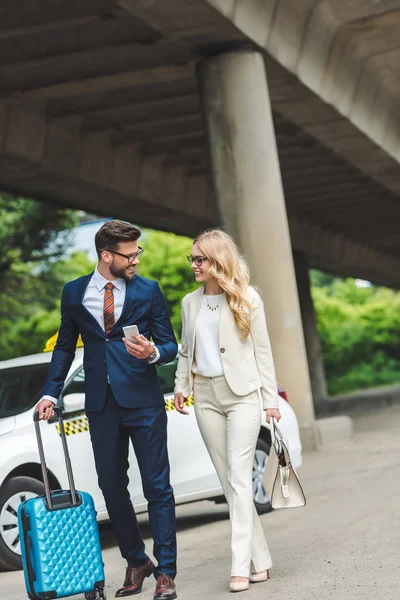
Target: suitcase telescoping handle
47, 490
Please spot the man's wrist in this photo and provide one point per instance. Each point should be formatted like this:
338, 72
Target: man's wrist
154, 356
47, 397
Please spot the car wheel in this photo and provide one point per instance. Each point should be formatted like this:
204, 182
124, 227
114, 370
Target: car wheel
13, 492
260, 496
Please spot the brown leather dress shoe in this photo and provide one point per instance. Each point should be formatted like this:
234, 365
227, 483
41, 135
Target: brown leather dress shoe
134, 579
165, 588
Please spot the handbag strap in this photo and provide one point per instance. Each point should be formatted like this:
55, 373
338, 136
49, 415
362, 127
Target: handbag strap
276, 436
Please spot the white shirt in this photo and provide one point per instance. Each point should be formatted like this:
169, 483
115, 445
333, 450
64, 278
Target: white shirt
93, 300
207, 353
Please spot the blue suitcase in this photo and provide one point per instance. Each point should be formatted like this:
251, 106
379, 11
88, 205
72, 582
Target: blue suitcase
60, 544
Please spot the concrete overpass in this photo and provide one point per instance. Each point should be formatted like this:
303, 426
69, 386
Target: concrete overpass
139, 108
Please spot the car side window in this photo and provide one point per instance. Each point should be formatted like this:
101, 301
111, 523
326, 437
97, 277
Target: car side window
21, 388
166, 376
76, 385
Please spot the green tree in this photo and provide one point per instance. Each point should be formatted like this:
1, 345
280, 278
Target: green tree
321, 279
33, 236
360, 335
165, 261
31, 231
36, 309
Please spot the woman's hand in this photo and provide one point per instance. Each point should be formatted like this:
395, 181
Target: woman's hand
179, 401
273, 412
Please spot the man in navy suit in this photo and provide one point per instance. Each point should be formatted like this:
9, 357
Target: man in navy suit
123, 396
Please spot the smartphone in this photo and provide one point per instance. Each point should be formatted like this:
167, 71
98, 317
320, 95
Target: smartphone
131, 329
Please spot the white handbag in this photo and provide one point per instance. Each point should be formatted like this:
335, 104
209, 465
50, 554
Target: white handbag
281, 481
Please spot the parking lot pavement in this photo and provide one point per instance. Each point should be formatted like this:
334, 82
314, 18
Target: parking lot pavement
344, 544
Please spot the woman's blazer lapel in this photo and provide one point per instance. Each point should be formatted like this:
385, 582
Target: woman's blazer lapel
197, 299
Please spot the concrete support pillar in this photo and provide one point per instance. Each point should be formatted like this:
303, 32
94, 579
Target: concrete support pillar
311, 336
249, 192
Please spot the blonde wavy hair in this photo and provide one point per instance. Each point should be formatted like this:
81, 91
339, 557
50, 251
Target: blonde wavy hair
229, 267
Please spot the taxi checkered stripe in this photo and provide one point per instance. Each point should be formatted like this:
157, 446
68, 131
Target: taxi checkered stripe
74, 426
81, 424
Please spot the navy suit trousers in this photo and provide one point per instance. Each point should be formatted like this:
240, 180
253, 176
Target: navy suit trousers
110, 430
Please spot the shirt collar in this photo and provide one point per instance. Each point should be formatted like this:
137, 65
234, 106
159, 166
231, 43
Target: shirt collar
100, 282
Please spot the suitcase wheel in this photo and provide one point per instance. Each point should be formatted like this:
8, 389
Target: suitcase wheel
98, 594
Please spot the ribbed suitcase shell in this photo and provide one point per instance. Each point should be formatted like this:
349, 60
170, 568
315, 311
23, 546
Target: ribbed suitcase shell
60, 543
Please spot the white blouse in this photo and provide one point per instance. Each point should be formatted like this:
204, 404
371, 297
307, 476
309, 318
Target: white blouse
207, 359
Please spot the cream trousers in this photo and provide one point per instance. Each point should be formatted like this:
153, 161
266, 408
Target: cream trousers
229, 425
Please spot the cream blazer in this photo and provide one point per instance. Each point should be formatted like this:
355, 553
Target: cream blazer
248, 364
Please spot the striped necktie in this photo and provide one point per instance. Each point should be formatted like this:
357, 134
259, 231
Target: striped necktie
109, 318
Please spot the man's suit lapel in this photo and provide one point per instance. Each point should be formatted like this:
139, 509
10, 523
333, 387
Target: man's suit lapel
81, 289
131, 290
82, 285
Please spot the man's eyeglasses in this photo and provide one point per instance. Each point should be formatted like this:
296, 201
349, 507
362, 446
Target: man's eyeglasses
129, 257
197, 260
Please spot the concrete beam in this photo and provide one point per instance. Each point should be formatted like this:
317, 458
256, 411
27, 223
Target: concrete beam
118, 81
16, 14
25, 134
336, 253
180, 17
308, 38
143, 111
40, 28
90, 63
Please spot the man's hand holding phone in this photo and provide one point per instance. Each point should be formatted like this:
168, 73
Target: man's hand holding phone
136, 344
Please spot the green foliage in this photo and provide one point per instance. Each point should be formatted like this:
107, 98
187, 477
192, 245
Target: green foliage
34, 313
33, 236
165, 261
360, 335
31, 231
321, 279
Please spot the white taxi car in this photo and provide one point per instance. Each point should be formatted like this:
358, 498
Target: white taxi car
192, 474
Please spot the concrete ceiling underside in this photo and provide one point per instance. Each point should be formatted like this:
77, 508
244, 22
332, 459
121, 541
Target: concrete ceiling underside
123, 76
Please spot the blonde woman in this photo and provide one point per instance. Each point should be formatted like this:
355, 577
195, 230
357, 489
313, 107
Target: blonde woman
225, 361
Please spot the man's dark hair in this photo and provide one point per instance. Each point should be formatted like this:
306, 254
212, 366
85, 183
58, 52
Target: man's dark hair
113, 233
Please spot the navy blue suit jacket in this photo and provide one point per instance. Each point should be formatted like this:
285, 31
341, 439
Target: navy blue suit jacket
134, 382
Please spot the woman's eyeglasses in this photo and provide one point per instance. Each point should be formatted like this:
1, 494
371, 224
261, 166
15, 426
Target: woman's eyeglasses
197, 260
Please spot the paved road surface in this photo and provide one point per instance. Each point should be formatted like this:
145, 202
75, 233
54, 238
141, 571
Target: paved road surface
344, 545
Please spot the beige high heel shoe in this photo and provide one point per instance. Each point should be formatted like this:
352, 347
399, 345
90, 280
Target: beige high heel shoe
239, 586
259, 577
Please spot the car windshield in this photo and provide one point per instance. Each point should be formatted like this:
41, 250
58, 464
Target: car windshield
21, 388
